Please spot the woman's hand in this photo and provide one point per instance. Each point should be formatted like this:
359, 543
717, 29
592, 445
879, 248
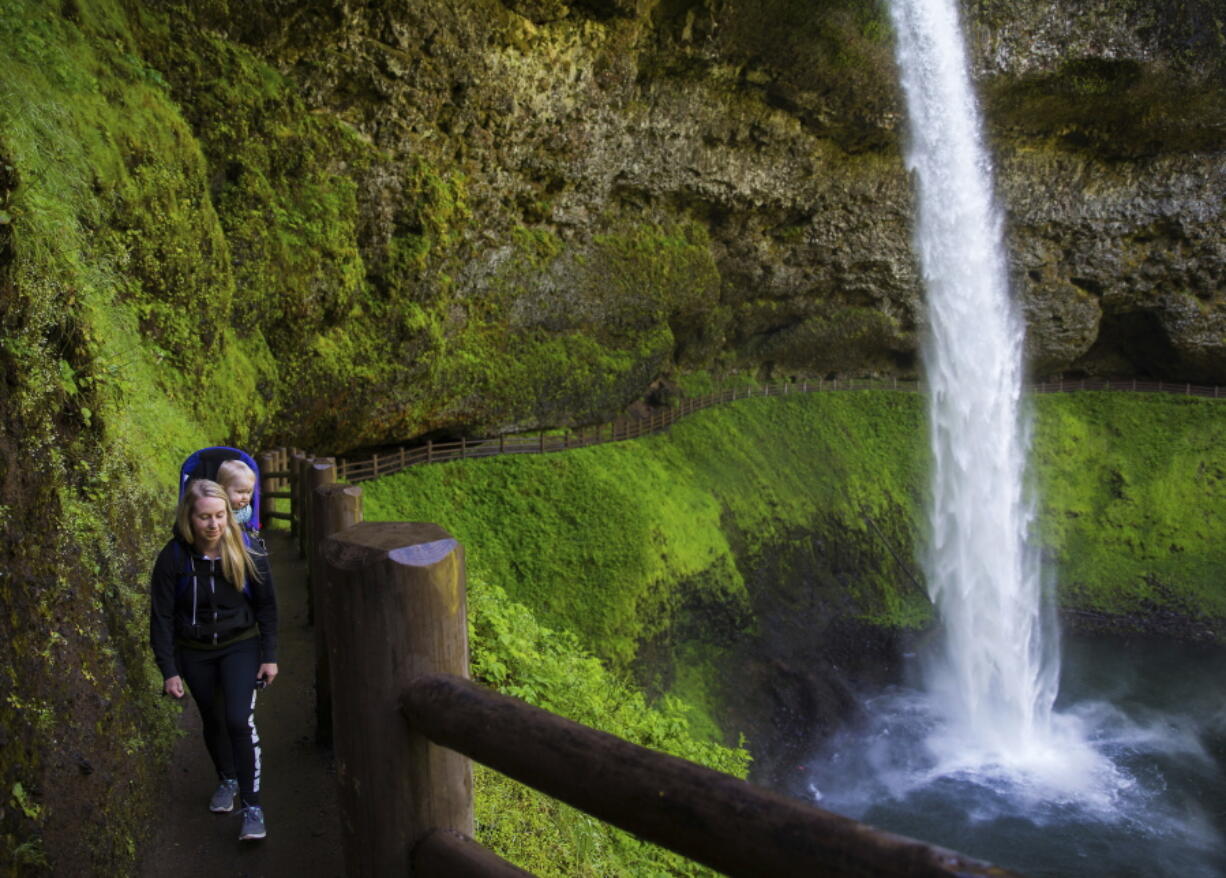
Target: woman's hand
173, 686
268, 673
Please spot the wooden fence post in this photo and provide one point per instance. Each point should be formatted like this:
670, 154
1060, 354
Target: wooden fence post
296, 459
337, 507
268, 505
304, 518
321, 471
396, 605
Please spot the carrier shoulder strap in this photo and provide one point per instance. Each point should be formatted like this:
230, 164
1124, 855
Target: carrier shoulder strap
183, 570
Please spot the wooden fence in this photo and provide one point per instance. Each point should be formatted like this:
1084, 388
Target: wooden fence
392, 696
395, 460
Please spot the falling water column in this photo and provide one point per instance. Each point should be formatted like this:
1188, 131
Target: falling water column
995, 678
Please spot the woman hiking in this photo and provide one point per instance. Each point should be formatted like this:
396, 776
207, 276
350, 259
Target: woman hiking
213, 627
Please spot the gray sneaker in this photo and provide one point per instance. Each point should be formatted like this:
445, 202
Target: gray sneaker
253, 824
223, 800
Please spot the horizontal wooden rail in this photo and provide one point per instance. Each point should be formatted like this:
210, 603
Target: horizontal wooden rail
384, 464
711, 817
445, 853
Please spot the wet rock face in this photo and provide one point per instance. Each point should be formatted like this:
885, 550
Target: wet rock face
1108, 128
775, 126
1017, 37
1121, 266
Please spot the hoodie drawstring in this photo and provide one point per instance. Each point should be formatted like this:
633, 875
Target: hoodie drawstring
192, 561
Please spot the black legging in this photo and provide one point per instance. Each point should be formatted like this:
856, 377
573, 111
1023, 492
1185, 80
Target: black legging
222, 682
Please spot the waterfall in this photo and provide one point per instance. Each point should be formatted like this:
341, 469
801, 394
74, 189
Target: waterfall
980, 756
995, 679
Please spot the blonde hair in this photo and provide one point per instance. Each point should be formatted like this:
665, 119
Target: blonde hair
232, 470
236, 561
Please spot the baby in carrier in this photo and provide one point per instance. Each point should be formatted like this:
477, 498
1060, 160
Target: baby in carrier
239, 481
237, 472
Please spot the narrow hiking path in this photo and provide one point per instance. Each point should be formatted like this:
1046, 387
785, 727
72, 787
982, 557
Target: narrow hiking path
298, 786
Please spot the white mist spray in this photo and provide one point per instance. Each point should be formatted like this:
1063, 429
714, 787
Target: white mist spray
995, 680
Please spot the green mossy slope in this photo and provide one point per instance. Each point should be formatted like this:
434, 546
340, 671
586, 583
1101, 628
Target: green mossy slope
1133, 503
600, 540
112, 270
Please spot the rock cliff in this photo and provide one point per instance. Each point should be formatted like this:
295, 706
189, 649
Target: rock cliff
562, 203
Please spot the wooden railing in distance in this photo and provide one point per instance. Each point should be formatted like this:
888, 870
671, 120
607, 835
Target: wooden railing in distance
274, 485
404, 715
386, 463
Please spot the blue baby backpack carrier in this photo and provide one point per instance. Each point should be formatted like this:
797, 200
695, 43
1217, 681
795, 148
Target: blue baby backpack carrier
203, 464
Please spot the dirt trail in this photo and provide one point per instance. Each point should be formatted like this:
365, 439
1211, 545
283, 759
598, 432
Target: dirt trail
298, 786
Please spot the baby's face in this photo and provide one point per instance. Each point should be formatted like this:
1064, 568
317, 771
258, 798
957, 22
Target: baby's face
239, 491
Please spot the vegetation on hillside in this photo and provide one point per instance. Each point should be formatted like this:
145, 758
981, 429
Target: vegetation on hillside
1132, 495
513, 652
599, 540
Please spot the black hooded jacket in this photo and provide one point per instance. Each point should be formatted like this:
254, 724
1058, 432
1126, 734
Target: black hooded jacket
194, 605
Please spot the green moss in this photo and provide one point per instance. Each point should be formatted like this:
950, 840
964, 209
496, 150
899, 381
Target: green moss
1132, 489
635, 300
286, 216
435, 208
514, 653
697, 668
701, 382
117, 305
830, 64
